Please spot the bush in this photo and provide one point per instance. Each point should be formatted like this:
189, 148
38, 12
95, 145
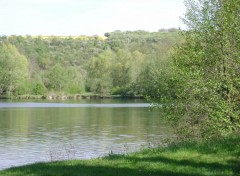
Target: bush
39, 89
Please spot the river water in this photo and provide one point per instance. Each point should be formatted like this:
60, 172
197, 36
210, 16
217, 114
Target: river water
45, 130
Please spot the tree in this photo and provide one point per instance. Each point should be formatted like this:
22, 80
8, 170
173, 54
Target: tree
13, 69
207, 70
99, 78
75, 80
137, 63
42, 54
57, 78
121, 69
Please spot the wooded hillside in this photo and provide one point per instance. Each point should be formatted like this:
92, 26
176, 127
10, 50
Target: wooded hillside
120, 63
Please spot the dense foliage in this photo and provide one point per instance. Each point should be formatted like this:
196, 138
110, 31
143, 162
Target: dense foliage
204, 83
118, 63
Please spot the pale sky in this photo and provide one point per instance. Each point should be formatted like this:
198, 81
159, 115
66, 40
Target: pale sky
87, 17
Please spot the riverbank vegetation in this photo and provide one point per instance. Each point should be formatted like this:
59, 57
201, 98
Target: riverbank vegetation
200, 94
219, 157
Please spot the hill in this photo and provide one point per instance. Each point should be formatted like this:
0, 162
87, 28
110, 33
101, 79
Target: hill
112, 64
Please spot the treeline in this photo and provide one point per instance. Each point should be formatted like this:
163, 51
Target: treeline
119, 63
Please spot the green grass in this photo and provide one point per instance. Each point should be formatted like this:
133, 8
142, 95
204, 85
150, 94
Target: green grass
219, 158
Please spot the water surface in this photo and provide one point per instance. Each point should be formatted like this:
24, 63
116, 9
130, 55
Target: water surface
43, 131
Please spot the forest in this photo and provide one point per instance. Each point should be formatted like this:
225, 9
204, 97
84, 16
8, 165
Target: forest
118, 63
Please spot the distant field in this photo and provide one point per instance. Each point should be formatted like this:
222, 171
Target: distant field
80, 37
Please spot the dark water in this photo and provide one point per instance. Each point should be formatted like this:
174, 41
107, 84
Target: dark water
43, 131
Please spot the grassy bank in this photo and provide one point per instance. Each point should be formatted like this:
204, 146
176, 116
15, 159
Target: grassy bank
219, 157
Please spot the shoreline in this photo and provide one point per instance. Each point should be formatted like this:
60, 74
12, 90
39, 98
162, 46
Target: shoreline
199, 158
70, 97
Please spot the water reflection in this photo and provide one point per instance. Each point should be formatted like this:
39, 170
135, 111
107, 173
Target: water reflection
31, 134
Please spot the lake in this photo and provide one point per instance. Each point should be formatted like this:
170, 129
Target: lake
42, 131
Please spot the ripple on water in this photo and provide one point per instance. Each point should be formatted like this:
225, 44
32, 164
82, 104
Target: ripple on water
31, 132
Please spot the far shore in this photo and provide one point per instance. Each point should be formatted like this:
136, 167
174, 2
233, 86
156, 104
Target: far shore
70, 97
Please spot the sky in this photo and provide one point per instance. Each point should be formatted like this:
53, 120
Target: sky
87, 17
